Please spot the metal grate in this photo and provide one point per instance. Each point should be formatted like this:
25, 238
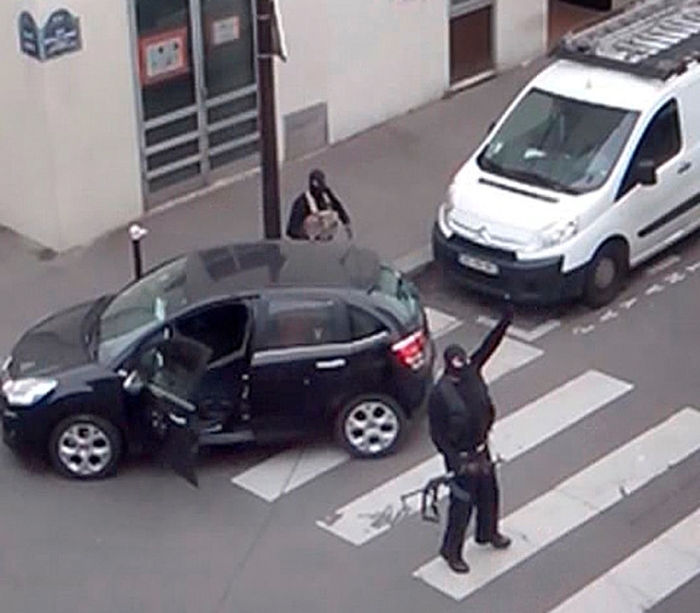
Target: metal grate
652, 38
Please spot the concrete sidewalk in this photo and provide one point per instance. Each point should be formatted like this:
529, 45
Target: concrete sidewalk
391, 178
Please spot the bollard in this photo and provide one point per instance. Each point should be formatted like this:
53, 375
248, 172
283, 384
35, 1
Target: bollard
136, 233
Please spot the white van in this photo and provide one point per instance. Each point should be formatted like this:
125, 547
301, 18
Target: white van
593, 168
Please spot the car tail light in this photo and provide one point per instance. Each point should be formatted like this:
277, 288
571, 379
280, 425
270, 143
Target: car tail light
410, 350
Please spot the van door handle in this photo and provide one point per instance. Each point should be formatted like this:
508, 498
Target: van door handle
330, 364
684, 167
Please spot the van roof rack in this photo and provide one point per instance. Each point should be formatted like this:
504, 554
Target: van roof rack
649, 38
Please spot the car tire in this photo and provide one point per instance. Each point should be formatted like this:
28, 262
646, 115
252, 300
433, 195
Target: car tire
370, 426
85, 447
606, 275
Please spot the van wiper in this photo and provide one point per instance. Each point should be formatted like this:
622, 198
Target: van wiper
539, 180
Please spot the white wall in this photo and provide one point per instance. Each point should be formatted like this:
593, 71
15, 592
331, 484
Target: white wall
385, 57
520, 31
369, 60
73, 171
26, 172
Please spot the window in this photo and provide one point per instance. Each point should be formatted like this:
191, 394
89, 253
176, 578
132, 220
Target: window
221, 328
301, 322
362, 324
558, 143
397, 296
660, 142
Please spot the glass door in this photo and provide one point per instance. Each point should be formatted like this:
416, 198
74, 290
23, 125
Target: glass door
198, 95
229, 80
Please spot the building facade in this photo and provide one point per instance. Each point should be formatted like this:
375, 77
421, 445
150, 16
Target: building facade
114, 107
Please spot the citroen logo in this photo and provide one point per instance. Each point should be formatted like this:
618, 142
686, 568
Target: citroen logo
483, 234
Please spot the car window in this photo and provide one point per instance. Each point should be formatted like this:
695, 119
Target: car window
660, 142
221, 328
363, 324
397, 296
301, 322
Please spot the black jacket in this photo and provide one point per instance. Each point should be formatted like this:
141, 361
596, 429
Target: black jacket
461, 421
300, 210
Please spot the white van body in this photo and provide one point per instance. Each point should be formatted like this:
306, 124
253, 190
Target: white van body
499, 226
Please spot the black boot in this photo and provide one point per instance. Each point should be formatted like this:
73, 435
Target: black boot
498, 540
455, 561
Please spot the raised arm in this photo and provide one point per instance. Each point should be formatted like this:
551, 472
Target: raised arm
492, 340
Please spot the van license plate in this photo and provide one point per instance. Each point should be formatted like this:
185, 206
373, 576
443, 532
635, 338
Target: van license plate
488, 268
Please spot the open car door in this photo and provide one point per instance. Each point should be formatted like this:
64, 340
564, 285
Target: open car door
176, 368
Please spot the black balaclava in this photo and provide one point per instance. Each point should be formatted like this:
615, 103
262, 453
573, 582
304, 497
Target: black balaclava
317, 183
455, 353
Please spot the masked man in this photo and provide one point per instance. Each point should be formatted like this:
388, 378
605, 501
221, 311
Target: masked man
316, 213
461, 415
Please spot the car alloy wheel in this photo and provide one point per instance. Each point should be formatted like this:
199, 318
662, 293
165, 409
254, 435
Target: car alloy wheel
85, 447
370, 426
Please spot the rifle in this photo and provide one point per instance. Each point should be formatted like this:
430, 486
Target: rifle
429, 496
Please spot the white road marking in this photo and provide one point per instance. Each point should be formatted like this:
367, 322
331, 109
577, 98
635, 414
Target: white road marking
572, 503
654, 289
441, 323
608, 315
377, 511
628, 304
523, 335
693, 267
674, 277
646, 577
286, 471
583, 329
664, 264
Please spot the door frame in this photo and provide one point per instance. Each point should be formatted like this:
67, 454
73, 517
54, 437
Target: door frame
206, 176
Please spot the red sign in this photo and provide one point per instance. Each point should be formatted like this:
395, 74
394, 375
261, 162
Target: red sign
163, 56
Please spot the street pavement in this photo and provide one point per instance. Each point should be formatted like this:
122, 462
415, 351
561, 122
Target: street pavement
598, 431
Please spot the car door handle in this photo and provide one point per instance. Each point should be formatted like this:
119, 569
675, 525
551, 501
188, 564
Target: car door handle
684, 167
329, 364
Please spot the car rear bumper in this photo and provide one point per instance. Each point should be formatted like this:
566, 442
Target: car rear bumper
534, 281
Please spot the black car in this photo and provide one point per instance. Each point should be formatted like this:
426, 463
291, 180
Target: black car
248, 342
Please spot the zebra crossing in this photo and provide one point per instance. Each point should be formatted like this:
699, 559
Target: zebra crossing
628, 587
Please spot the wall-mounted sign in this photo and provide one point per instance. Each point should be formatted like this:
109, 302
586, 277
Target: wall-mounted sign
60, 35
163, 56
224, 30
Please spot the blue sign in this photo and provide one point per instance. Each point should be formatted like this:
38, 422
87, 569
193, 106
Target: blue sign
60, 35
29, 35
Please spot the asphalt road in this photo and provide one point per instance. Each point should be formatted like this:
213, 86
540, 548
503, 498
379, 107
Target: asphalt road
624, 381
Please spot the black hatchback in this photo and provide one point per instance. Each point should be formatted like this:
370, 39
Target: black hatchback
248, 342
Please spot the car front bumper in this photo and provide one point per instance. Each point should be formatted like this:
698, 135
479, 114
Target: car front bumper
22, 429
532, 281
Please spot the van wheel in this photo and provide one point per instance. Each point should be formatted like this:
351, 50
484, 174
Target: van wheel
370, 426
85, 447
605, 275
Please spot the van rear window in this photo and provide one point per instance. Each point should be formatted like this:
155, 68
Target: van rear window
398, 296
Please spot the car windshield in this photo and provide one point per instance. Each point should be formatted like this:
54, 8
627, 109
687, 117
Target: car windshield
558, 143
397, 295
139, 307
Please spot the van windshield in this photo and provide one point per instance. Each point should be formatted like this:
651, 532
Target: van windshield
558, 143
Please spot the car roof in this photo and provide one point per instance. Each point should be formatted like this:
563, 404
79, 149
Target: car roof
597, 85
244, 268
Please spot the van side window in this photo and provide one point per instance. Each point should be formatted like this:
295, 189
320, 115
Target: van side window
660, 142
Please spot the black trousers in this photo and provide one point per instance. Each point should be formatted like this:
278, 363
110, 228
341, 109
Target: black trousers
482, 490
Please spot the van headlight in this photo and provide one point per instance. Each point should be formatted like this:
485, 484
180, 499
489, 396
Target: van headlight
444, 211
27, 392
556, 234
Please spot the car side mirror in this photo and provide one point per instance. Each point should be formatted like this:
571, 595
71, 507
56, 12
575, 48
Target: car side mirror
645, 172
133, 384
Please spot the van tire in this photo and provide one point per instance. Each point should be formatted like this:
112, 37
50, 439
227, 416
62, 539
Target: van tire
606, 274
